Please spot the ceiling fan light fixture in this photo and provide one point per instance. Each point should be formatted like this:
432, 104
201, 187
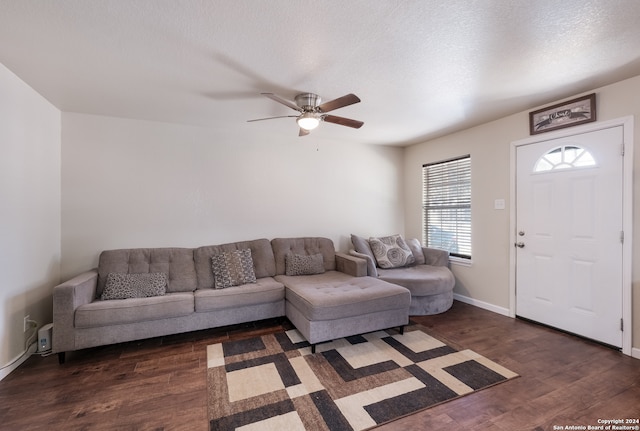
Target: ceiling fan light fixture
311, 113
308, 121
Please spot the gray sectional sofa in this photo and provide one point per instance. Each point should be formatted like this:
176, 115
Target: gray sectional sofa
426, 275
334, 300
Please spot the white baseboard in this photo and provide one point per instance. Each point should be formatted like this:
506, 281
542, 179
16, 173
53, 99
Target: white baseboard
17, 361
482, 304
635, 352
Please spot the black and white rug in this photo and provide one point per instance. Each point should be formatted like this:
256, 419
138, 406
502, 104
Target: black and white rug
273, 382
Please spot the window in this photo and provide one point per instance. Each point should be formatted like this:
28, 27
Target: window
566, 157
446, 206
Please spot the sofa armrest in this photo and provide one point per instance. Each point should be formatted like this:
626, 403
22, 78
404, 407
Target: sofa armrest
67, 297
372, 270
435, 256
351, 265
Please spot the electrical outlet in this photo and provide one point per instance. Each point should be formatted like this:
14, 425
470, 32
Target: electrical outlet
26, 323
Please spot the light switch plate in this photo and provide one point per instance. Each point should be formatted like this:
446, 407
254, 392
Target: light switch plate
498, 204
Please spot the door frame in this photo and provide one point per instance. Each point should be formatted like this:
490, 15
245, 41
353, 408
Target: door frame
627, 213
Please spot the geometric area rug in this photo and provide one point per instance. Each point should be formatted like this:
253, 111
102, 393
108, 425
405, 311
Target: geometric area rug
274, 382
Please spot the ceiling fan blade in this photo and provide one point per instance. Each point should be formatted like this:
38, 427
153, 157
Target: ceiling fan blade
343, 121
303, 132
285, 102
340, 102
271, 118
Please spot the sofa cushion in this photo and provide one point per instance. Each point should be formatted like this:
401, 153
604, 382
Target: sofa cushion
124, 286
421, 280
416, 249
232, 268
264, 290
177, 263
261, 254
298, 264
118, 312
335, 295
391, 251
306, 247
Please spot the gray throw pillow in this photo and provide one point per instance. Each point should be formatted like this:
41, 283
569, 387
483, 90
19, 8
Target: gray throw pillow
124, 286
391, 251
298, 264
416, 249
233, 268
361, 245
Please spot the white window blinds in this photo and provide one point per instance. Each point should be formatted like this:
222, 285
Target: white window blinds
446, 206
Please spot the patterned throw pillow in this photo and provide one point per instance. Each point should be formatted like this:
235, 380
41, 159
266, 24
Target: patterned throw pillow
391, 251
299, 264
233, 268
124, 286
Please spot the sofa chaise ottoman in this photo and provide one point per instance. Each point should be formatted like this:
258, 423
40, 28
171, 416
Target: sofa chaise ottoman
332, 304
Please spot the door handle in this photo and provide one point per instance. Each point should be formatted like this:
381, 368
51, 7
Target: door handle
519, 244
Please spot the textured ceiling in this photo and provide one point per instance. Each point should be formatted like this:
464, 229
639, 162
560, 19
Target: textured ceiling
422, 68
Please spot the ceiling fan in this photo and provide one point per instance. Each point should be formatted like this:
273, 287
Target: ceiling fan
312, 112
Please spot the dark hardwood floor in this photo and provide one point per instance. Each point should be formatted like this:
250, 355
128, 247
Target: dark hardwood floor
160, 384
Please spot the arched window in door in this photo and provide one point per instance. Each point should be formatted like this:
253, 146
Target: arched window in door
565, 157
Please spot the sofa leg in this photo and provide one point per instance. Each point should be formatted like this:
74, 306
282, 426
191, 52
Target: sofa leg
313, 349
402, 330
61, 358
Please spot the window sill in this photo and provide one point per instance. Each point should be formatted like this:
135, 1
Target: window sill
460, 261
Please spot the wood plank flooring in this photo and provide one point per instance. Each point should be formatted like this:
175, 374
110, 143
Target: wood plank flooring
160, 383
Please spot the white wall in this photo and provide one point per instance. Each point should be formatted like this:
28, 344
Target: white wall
29, 211
489, 144
129, 183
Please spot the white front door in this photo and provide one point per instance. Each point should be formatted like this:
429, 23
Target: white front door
569, 225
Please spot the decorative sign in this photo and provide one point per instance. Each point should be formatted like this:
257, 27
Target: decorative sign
565, 114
